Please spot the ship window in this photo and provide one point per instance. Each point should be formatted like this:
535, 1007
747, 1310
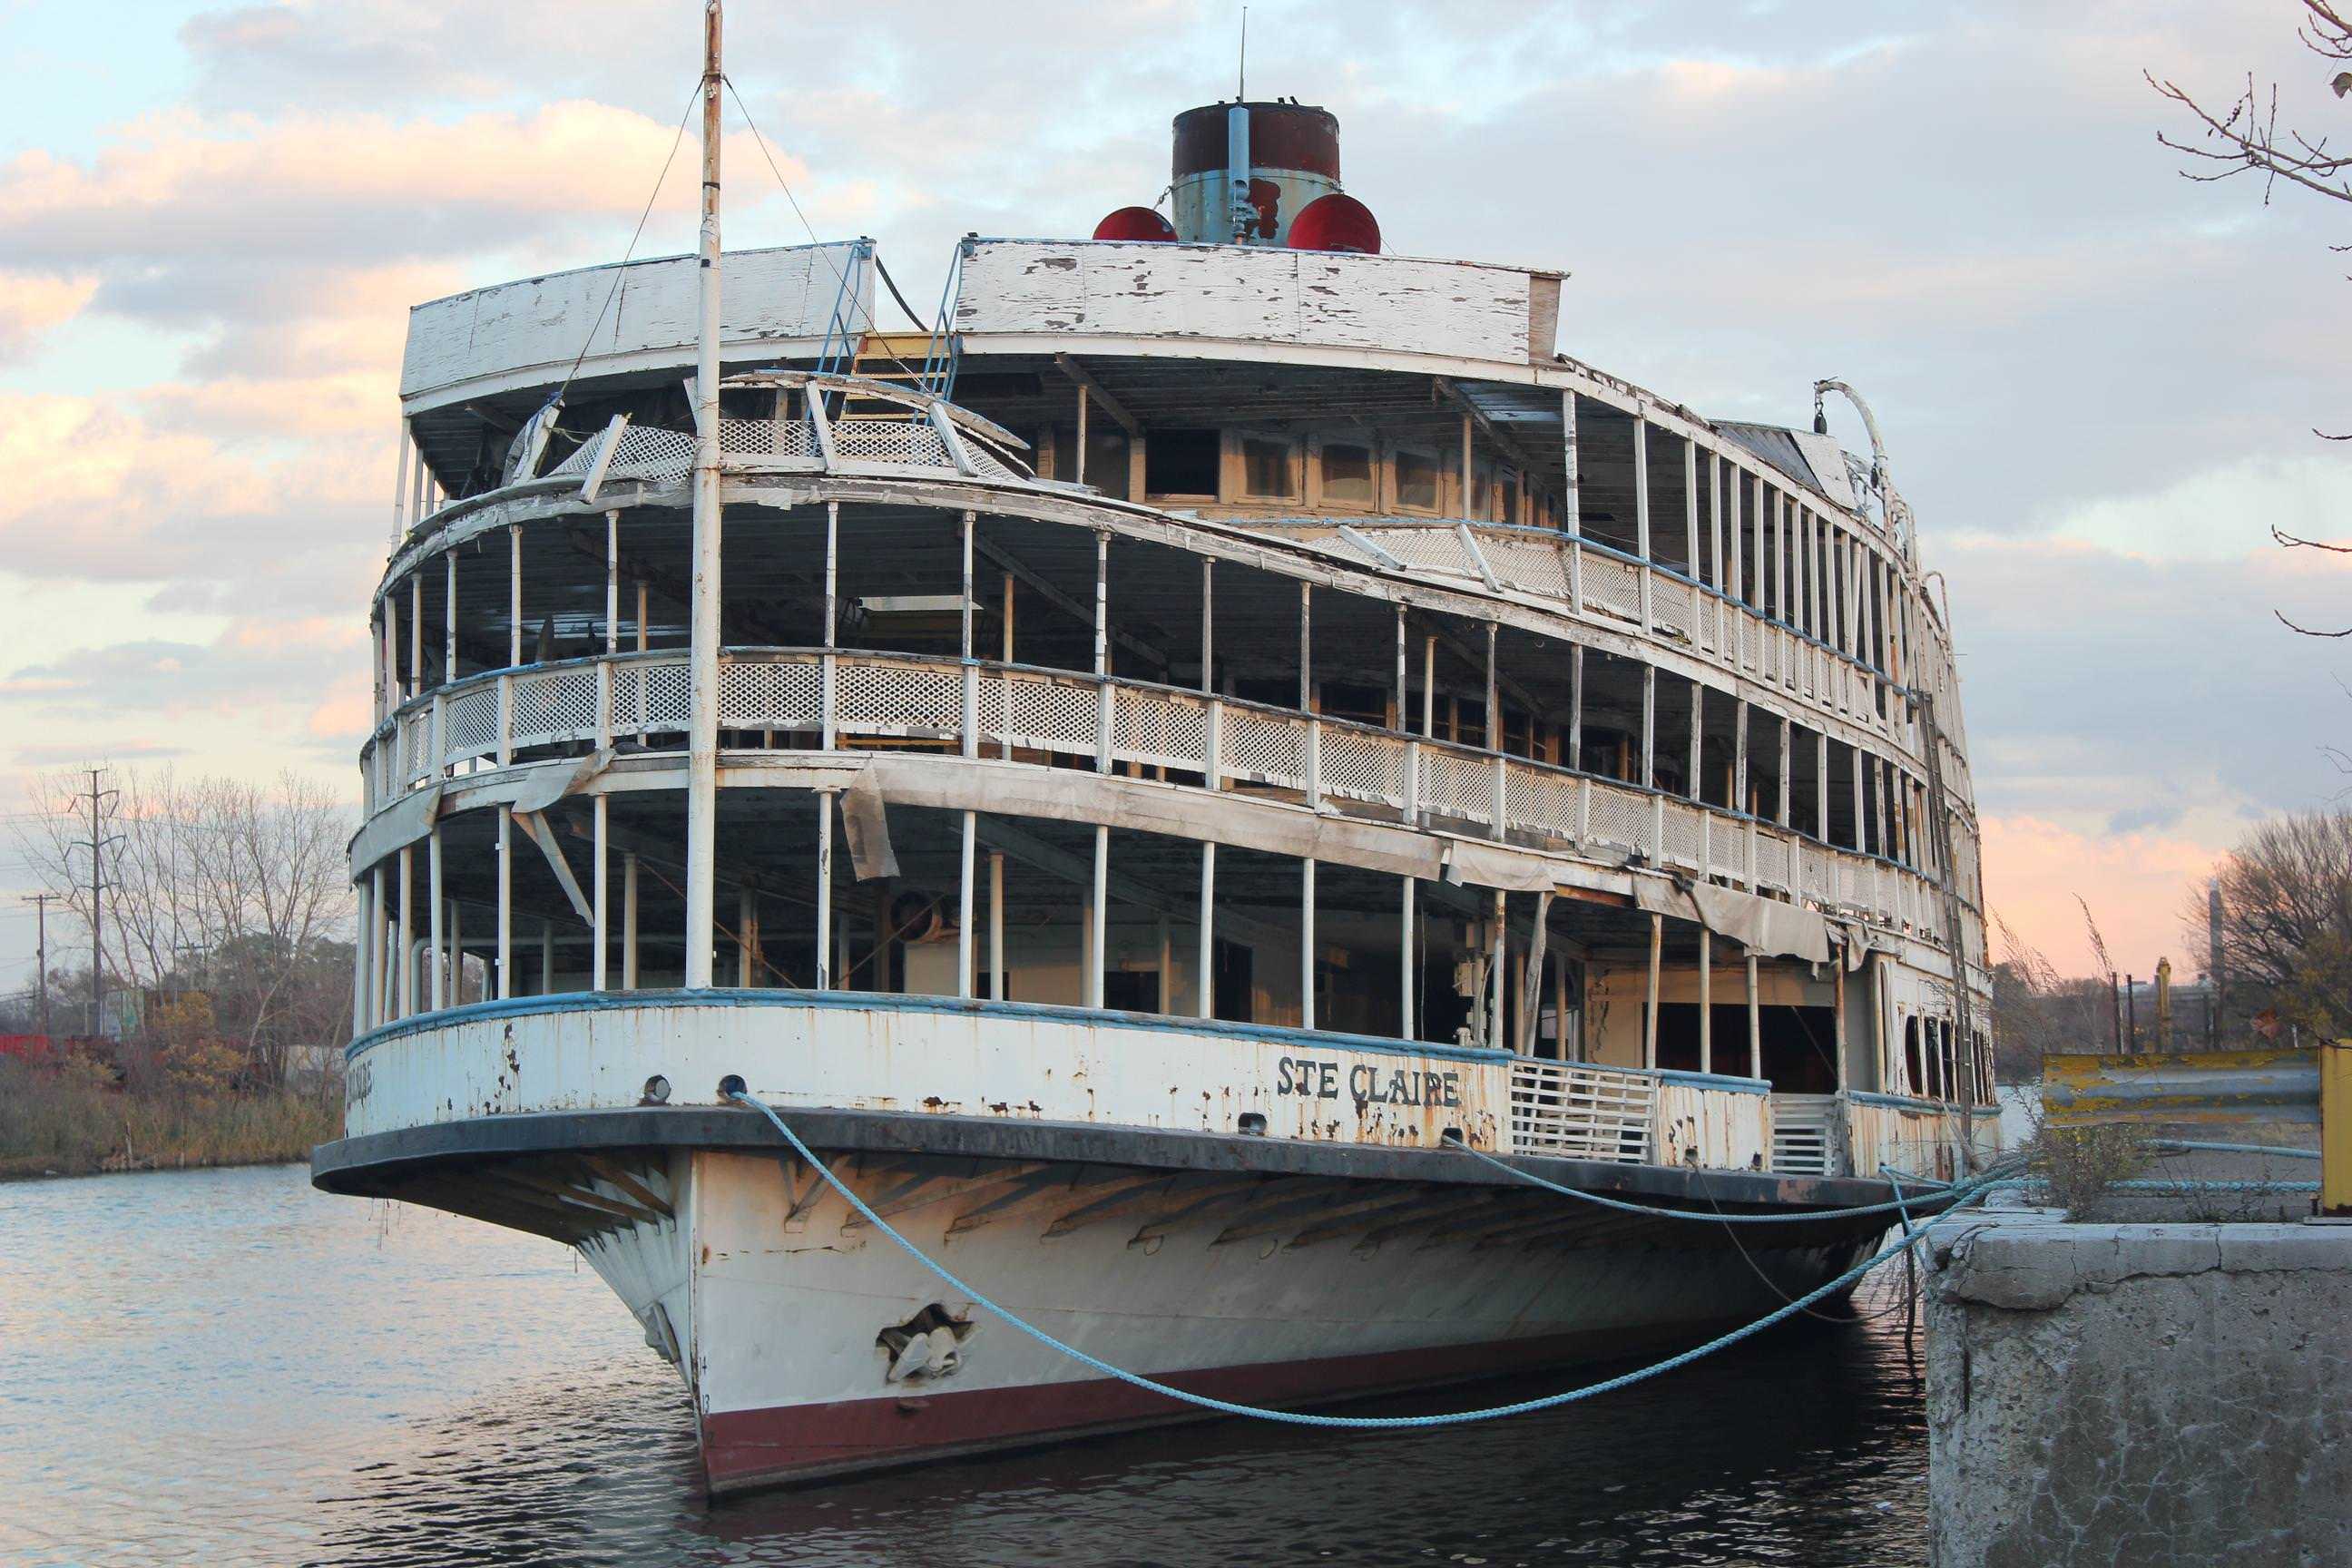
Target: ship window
1347, 473
1416, 481
1269, 467
1181, 462
1914, 1080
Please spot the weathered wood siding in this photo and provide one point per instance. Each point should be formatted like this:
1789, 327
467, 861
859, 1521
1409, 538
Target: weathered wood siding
543, 322
1227, 292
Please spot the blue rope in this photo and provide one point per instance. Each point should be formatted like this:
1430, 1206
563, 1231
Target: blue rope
1715, 1218
2280, 1150
1302, 1418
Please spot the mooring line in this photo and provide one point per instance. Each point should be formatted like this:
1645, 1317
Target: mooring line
1897, 1206
1351, 1422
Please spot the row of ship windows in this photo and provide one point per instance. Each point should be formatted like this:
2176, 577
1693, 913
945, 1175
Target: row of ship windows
1348, 472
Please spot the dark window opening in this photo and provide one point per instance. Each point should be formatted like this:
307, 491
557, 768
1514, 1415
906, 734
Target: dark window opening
1181, 462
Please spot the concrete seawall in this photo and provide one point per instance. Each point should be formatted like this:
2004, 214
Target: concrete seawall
2141, 1393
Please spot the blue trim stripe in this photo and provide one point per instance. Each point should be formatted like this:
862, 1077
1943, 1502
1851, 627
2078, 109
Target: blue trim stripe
865, 1001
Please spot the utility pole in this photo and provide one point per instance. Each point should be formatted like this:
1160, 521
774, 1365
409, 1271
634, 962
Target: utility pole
98, 844
41, 902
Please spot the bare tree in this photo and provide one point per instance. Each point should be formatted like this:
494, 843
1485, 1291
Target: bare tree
2246, 138
223, 886
2286, 921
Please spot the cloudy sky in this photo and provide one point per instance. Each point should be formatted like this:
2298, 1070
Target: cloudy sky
2098, 380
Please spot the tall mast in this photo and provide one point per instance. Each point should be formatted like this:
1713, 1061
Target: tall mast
702, 744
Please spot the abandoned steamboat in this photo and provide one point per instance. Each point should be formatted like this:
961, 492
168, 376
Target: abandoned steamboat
1132, 774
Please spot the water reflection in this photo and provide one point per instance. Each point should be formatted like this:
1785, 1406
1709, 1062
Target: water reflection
227, 1367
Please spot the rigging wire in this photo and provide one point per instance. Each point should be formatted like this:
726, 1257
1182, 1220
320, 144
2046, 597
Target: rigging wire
622, 271
847, 292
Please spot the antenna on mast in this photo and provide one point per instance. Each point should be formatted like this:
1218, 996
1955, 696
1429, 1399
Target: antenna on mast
1241, 81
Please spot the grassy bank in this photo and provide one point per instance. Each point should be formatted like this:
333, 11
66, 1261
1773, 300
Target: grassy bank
53, 1126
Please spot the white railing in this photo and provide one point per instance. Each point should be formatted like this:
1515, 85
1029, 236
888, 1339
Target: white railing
1580, 1111
1350, 768
1805, 1130
1635, 1116
1601, 584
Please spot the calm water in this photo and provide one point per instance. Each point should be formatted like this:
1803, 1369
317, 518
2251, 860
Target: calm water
226, 1367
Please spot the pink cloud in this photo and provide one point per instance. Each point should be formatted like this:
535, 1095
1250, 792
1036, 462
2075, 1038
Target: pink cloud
2136, 884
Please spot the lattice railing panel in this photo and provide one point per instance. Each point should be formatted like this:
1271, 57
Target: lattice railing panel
1542, 802
1726, 849
645, 453
1263, 749
1621, 817
896, 441
1357, 766
473, 723
554, 705
1682, 828
1612, 585
1456, 786
1673, 606
1152, 727
765, 695
1039, 713
1580, 1112
1772, 861
1527, 564
897, 700
766, 438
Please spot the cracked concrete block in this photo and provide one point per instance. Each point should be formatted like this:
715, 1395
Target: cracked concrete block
2141, 1393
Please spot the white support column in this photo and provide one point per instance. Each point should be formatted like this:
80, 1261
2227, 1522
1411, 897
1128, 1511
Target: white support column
1307, 945
1103, 719
416, 634
600, 935
1821, 787
1208, 626
1572, 520
456, 954
824, 889
998, 967
629, 920
747, 937
964, 908
1690, 516
1644, 543
1755, 1023
1408, 928
832, 623
1497, 948
1691, 781
1650, 1004
378, 929
514, 594
448, 617
1306, 646
1649, 725
437, 984
1205, 999
1167, 969
400, 486
505, 903
404, 990
360, 959
1429, 687
1576, 707
971, 747
1705, 1000
1493, 697
1782, 817
1099, 919
1740, 758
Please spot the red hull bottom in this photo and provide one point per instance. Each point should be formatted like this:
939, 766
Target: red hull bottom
784, 1444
